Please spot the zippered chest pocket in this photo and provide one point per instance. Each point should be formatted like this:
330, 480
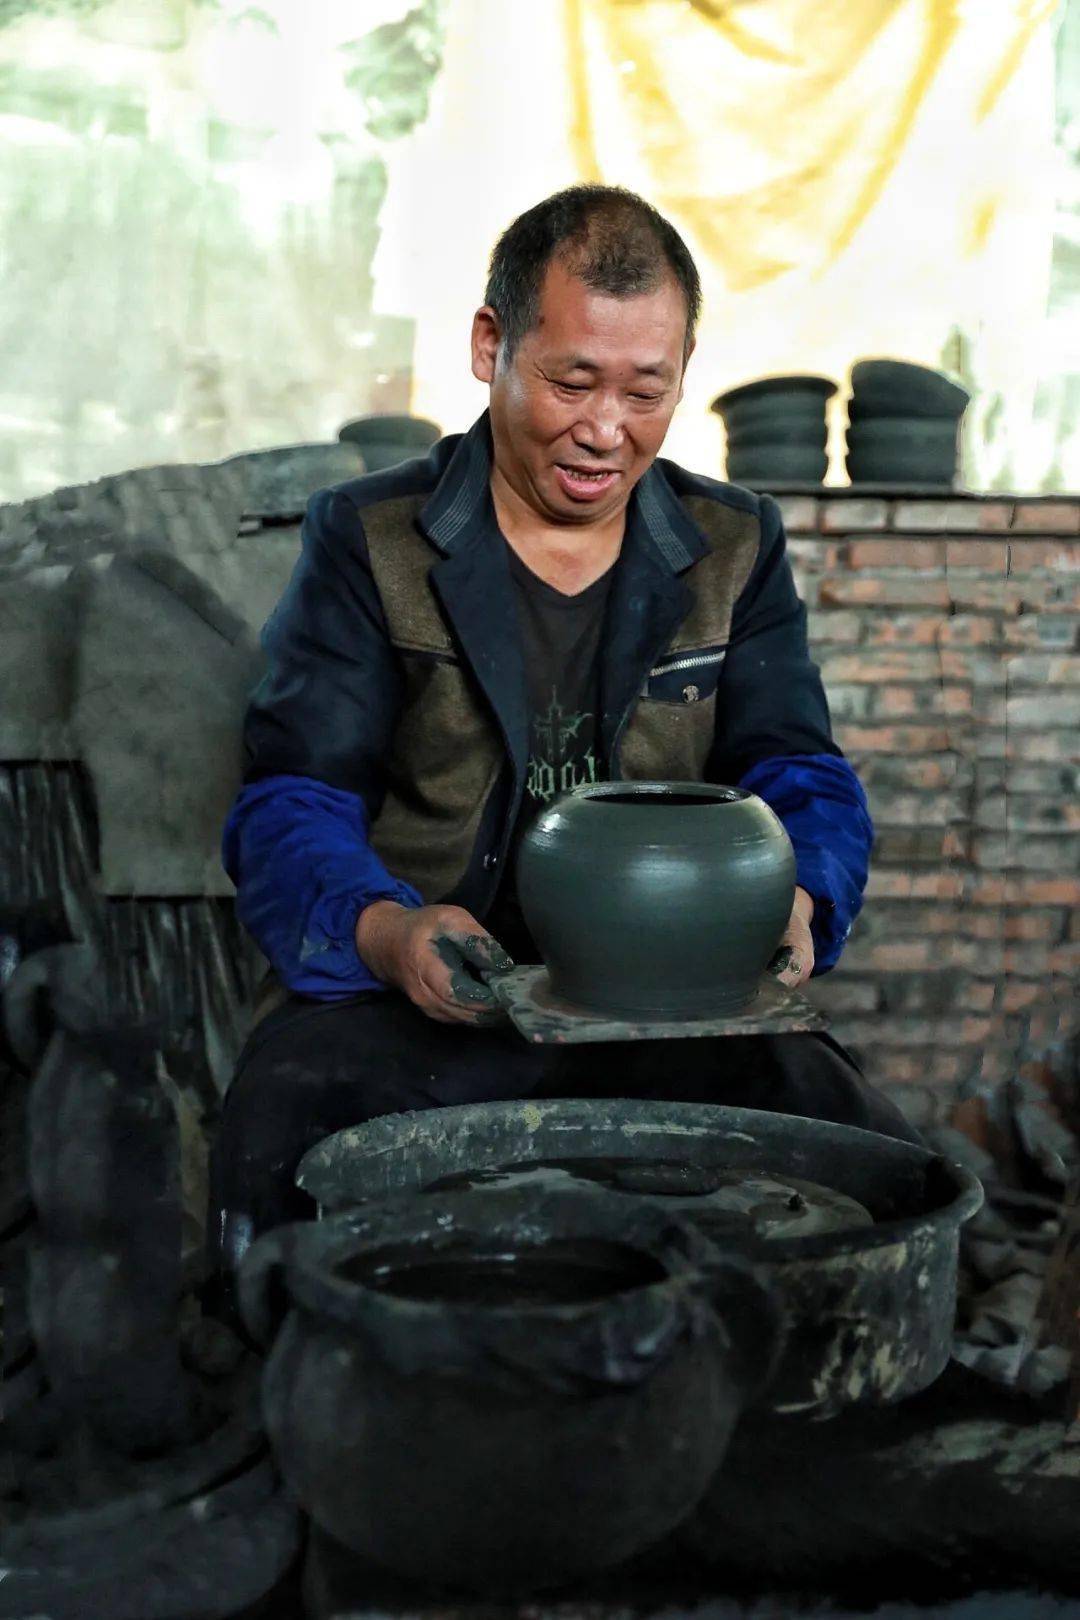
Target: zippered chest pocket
686, 677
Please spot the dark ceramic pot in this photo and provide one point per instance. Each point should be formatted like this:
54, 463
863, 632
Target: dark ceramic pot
761, 465
500, 1393
915, 449
651, 899
387, 440
897, 388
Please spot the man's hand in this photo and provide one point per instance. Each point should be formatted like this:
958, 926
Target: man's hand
436, 955
793, 962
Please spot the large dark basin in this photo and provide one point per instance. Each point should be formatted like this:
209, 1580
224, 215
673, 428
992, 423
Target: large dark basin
870, 1307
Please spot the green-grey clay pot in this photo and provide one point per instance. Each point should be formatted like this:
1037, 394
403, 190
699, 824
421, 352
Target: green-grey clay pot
656, 899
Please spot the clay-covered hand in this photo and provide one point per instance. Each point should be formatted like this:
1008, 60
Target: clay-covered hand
793, 962
437, 955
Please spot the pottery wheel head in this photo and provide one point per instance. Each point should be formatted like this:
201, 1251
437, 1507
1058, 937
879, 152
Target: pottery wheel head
724, 1203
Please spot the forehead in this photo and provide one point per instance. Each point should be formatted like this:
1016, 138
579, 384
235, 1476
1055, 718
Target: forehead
578, 322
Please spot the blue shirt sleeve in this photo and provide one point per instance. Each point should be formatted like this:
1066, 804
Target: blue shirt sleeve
821, 803
298, 853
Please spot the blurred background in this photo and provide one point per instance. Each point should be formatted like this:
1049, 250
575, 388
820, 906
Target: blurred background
229, 225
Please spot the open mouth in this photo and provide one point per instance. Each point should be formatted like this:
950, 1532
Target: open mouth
584, 483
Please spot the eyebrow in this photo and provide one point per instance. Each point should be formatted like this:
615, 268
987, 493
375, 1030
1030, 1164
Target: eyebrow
577, 362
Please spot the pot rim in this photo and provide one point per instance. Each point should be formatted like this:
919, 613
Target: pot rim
967, 1190
796, 383
618, 1340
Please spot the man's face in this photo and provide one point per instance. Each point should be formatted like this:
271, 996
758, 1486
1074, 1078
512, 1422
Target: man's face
581, 410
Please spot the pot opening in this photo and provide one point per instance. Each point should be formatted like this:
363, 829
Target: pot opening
651, 796
576, 1271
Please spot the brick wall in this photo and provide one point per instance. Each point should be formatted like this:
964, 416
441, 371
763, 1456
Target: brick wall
948, 635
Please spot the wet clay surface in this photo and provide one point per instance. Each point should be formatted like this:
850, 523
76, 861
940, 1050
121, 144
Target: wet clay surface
469, 957
723, 1202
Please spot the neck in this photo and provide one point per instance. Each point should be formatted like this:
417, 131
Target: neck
568, 556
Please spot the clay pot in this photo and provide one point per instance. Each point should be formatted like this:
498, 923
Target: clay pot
387, 440
904, 422
897, 388
776, 429
656, 899
501, 1393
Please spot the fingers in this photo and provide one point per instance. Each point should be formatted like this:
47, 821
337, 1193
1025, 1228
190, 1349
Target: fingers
793, 963
449, 975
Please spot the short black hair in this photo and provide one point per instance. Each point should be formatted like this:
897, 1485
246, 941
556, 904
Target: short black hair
611, 238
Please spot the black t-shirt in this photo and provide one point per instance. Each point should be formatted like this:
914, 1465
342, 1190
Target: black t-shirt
560, 640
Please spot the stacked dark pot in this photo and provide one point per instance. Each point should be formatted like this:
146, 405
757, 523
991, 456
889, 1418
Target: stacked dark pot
776, 430
904, 423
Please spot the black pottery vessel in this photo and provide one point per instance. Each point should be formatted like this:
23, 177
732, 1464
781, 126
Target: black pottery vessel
776, 429
386, 440
654, 899
904, 424
501, 1393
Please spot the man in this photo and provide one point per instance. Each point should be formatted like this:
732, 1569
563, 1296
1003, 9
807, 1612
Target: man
538, 604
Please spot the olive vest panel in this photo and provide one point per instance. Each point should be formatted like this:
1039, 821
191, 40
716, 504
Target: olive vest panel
448, 751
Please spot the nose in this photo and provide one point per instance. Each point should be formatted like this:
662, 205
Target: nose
599, 426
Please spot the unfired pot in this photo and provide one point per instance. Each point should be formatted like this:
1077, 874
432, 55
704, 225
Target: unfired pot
656, 898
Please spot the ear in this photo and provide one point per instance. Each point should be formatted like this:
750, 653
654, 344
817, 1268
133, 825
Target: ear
486, 337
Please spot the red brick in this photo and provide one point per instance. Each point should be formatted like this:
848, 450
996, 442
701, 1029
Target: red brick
814, 555
1026, 812
909, 956
899, 702
1045, 853
896, 739
917, 556
938, 516
849, 516
887, 885
1032, 959
1041, 630
926, 845
843, 628
1043, 669
1056, 555
946, 771
840, 993
1046, 710
1017, 994
799, 513
898, 591
969, 630
880, 668
849, 702
945, 1030
1047, 517
903, 629
990, 556
891, 807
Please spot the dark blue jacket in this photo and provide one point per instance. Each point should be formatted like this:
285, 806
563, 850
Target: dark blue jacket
322, 723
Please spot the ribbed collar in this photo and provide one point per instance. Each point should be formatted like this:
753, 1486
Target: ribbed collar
458, 507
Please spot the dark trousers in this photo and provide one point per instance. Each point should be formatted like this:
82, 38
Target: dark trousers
310, 1068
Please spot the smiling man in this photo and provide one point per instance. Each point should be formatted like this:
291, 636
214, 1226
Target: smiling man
538, 604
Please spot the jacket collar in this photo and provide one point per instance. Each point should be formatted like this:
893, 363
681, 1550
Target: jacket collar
457, 510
